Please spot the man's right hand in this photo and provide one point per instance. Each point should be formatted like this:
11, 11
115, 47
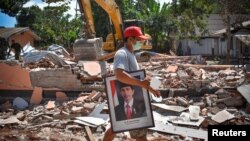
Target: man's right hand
109, 135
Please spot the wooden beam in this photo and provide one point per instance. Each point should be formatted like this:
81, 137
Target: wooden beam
89, 133
208, 67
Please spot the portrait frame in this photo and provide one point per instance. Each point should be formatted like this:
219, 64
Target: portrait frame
143, 116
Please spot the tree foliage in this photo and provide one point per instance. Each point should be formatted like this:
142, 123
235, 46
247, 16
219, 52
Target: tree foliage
12, 7
101, 21
170, 21
28, 16
129, 9
51, 23
180, 19
191, 15
157, 21
233, 13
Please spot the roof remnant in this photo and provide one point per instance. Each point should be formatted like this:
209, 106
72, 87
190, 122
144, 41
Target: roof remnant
7, 32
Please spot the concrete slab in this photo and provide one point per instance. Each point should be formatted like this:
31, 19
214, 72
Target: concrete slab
244, 90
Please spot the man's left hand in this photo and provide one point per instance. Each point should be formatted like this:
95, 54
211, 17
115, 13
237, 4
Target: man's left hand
146, 84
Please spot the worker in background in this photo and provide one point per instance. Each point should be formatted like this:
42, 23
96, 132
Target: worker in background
17, 48
3, 48
125, 61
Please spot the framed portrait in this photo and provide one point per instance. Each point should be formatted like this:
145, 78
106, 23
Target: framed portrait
129, 105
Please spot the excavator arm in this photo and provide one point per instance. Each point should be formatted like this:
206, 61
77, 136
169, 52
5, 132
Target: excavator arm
88, 27
110, 7
113, 11
90, 47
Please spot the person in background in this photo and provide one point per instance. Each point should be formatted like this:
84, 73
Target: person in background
124, 62
3, 48
17, 48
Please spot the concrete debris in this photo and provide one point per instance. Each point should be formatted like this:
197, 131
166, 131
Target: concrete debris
169, 107
51, 59
182, 101
184, 119
43, 63
171, 69
36, 97
92, 120
178, 130
17, 79
222, 116
244, 91
92, 68
220, 91
50, 105
61, 97
10, 120
68, 81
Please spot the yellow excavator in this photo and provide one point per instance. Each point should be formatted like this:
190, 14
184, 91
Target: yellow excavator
91, 47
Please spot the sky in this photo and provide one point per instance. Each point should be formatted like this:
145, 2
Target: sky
8, 21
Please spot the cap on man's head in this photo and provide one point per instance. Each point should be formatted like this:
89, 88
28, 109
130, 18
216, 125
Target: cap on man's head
134, 31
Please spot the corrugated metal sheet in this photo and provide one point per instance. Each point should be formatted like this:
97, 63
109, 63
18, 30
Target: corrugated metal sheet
244, 38
222, 31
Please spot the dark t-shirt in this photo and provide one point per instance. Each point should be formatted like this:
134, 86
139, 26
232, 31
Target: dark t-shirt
3, 48
17, 47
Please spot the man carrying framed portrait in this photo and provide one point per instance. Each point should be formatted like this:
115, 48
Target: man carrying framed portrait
129, 105
125, 64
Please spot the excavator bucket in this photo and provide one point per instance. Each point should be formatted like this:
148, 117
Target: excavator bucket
87, 49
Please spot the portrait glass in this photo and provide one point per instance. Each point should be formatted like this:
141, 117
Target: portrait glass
129, 105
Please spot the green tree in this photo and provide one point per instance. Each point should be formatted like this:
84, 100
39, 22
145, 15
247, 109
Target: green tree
190, 18
27, 17
129, 9
12, 7
101, 20
233, 14
156, 21
51, 23
151, 13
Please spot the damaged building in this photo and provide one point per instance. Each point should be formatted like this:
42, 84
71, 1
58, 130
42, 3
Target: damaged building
47, 96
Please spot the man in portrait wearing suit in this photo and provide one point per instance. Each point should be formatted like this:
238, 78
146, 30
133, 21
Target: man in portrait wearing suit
129, 107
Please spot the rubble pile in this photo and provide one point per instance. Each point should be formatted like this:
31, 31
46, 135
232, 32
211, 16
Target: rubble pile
211, 104
88, 72
73, 118
50, 119
179, 73
43, 63
225, 101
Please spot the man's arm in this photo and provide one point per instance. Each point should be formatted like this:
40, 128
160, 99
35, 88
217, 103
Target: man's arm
124, 77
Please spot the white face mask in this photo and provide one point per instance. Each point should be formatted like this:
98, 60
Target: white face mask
137, 45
